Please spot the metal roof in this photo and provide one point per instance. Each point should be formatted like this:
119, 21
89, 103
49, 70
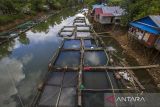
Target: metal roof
156, 19
149, 23
97, 6
107, 14
98, 10
145, 28
115, 10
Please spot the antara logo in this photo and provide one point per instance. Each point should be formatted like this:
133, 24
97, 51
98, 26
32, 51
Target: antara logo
130, 99
113, 99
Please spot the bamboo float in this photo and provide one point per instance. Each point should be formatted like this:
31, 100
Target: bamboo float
103, 90
99, 33
68, 68
83, 31
93, 49
66, 31
126, 68
71, 49
105, 36
80, 75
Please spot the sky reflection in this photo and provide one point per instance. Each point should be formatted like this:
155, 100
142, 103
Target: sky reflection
25, 60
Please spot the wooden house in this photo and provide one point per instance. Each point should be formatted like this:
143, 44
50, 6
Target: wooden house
146, 30
107, 14
96, 11
157, 44
111, 15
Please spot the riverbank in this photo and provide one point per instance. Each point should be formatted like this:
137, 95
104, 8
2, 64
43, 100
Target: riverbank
136, 53
18, 21
121, 37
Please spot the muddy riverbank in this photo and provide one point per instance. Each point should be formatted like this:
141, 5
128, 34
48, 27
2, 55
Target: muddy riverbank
133, 55
20, 21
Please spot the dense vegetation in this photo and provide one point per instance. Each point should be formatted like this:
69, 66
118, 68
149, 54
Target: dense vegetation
16, 9
136, 9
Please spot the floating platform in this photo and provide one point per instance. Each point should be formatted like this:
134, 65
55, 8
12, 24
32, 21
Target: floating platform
71, 81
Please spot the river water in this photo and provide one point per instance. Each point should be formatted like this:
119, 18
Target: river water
24, 60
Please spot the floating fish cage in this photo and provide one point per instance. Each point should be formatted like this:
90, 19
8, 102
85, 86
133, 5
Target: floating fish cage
68, 58
95, 58
67, 31
72, 44
60, 89
79, 21
98, 77
90, 43
76, 77
85, 28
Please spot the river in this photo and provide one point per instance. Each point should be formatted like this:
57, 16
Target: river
24, 60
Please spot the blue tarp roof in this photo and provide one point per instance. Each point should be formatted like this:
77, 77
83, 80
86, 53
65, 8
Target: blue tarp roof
149, 23
145, 28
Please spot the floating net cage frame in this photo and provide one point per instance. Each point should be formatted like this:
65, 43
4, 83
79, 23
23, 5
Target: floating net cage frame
81, 69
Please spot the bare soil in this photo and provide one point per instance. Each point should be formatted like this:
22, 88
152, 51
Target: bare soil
138, 54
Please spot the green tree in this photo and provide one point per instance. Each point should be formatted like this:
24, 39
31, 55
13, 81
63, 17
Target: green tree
135, 9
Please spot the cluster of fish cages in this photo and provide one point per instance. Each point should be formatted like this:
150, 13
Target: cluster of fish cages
77, 73
22, 28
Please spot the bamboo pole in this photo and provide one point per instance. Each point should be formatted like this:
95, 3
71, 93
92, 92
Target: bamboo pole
94, 49
80, 75
99, 33
69, 68
70, 49
100, 90
60, 91
126, 68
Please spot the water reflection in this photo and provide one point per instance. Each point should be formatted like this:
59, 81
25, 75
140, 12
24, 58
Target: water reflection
93, 58
24, 39
72, 44
26, 59
11, 75
68, 58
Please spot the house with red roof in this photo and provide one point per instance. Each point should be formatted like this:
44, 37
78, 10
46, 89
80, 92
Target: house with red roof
97, 12
107, 14
111, 15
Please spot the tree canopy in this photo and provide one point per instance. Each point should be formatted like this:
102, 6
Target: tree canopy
135, 9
